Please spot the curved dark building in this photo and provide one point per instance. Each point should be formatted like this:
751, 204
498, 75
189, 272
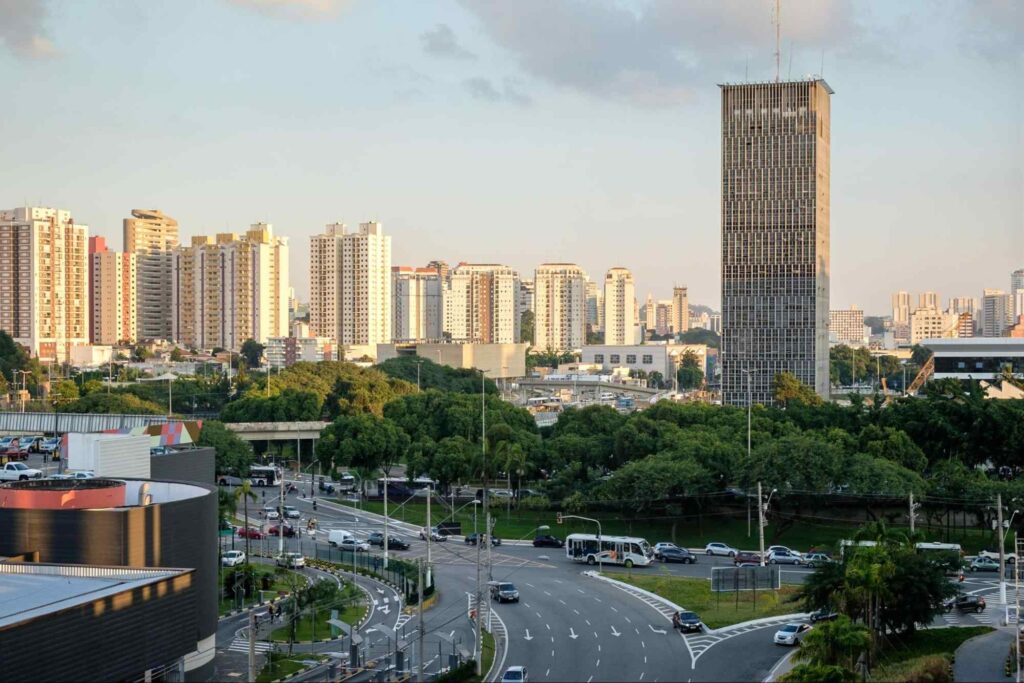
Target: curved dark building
149, 525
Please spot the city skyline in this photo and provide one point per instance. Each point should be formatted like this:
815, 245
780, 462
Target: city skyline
307, 157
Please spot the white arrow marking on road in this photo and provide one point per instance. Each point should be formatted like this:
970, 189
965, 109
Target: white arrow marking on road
527, 636
615, 633
385, 609
572, 634
381, 591
657, 630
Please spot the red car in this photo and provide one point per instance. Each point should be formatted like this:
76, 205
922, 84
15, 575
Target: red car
18, 450
275, 531
746, 557
250, 533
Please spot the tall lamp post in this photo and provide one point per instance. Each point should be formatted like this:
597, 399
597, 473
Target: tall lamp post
560, 517
762, 509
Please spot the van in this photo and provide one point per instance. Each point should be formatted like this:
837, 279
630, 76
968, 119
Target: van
336, 536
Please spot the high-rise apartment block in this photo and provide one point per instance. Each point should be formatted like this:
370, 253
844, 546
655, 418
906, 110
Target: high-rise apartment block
595, 306
44, 280
901, 308
931, 323
481, 304
560, 297
619, 312
649, 313
996, 313
680, 322
963, 304
662, 317
416, 304
846, 326
230, 288
775, 237
929, 300
152, 237
1017, 291
350, 285
112, 291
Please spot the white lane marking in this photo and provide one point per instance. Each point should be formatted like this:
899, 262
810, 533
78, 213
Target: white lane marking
580, 590
588, 621
557, 580
572, 634
629, 620
590, 679
531, 585
657, 630
548, 626
561, 601
637, 630
527, 605
538, 614
641, 675
598, 599
643, 644
598, 663
552, 639
613, 609
552, 653
595, 634
527, 637
599, 647
547, 594
576, 611
615, 633
547, 673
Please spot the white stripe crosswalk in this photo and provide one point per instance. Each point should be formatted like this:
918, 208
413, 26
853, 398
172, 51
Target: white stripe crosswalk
242, 645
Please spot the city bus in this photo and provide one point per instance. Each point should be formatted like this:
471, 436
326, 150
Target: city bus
264, 475
628, 551
346, 482
948, 555
401, 487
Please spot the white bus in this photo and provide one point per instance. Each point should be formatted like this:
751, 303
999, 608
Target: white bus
625, 550
948, 555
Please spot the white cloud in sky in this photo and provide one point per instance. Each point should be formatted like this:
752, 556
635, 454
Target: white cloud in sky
22, 29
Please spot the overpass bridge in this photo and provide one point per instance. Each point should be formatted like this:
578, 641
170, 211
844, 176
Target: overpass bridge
41, 423
542, 387
277, 431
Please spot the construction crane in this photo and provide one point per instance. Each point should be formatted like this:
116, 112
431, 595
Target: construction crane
927, 370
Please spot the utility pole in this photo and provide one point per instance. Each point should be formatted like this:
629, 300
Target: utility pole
280, 518
387, 485
252, 645
1002, 551
760, 521
419, 587
913, 513
430, 522
1016, 582
483, 446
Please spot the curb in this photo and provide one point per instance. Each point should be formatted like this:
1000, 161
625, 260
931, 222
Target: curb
266, 603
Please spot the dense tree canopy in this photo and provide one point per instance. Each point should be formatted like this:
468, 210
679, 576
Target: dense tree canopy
233, 454
434, 376
114, 403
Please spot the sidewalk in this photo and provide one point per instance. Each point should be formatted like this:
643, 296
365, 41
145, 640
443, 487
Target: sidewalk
983, 658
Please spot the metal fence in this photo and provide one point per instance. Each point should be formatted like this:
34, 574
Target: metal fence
401, 573
735, 579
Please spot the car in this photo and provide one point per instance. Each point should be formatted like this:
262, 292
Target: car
784, 557
791, 634
678, 555
548, 541
687, 622
659, 546
291, 560
471, 539
720, 549
32, 443
17, 471
273, 514
436, 535
291, 513
965, 603
784, 549
376, 538
232, 558
354, 544
396, 543
50, 444
504, 592
276, 531
984, 564
5, 442
817, 559
748, 565
249, 532
500, 493
823, 614
17, 450
747, 557
1011, 558
514, 674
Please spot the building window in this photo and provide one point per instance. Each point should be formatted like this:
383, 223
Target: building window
598, 357
648, 359
631, 359
615, 358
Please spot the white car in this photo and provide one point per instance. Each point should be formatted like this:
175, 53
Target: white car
1011, 558
291, 513
354, 544
272, 513
232, 558
291, 560
515, 674
782, 548
791, 634
436, 535
720, 549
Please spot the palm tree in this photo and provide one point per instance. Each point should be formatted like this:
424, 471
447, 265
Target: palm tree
838, 642
245, 492
511, 455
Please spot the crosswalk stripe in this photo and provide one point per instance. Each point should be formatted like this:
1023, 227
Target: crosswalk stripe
242, 645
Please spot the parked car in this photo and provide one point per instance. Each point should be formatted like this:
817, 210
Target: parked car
471, 539
232, 558
791, 634
354, 545
51, 445
396, 543
784, 557
500, 493
984, 564
16, 471
965, 603
678, 555
548, 541
1011, 558
5, 442
823, 614
17, 450
687, 622
32, 443
659, 546
514, 674
249, 532
720, 549
504, 592
436, 535
747, 557
817, 559
289, 532
782, 548
291, 560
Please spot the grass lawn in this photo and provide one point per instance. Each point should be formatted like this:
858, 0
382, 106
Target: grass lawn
903, 655
279, 666
715, 609
277, 584
486, 654
350, 611
687, 532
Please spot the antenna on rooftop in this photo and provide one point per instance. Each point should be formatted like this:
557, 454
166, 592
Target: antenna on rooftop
789, 76
778, 38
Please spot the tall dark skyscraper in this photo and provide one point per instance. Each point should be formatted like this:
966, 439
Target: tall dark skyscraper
775, 236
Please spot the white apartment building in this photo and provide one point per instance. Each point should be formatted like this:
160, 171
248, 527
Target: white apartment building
560, 301
282, 352
846, 326
112, 290
416, 304
44, 280
350, 285
152, 237
661, 358
619, 308
931, 323
928, 300
649, 313
231, 288
481, 304
1017, 292
996, 313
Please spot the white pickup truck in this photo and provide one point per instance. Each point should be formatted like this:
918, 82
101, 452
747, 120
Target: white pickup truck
15, 471
1011, 558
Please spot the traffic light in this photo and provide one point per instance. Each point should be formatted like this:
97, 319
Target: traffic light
558, 517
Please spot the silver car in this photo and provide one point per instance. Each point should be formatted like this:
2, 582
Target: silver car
784, 557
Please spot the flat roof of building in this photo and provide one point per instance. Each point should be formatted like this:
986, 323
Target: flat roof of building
976, 345
30, 590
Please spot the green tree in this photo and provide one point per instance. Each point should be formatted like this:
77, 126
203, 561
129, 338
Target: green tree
790, 389
114, 403
819, 673
698, 335
362, 440
177, 355
839, 642
13, 356
233, 455
526, 327
65, 392
245, 493
252, 352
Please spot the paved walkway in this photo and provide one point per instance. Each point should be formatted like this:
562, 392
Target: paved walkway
982, 659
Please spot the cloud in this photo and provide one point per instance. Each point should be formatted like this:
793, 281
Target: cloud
995, 29
441, 42
299, 9
483, 89
21, 29
662, 51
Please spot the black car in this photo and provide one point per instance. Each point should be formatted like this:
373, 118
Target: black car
823, 614
965, 603
471, 539
687, 622
395, 543
548, 541
677, 555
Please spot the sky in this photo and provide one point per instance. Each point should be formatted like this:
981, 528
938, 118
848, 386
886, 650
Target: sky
522, 132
